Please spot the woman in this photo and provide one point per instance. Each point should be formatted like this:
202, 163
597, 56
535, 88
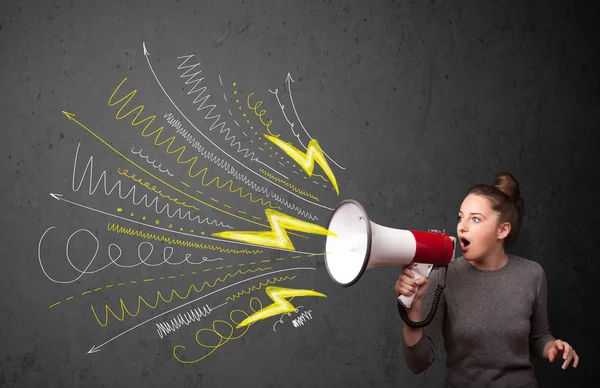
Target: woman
492, 313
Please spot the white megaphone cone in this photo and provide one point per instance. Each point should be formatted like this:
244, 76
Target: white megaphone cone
361, 244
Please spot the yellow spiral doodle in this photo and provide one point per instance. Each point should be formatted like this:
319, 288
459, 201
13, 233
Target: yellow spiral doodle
159, 296
151, 236
221, 337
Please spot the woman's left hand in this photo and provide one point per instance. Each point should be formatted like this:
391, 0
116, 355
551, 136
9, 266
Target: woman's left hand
563, 348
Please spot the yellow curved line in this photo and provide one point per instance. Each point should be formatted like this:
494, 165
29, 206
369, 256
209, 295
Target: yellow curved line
320, 176
260, 115
159, 296
223, 339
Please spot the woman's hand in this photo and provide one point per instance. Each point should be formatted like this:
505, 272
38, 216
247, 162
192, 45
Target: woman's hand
406, 285
559, 348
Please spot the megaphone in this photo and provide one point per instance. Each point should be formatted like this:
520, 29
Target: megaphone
358, 244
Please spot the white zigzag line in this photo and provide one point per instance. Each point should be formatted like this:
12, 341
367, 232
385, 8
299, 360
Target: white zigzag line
231, 169
202, 100
90, 166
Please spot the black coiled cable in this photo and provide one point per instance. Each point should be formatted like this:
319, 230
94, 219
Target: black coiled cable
436, 300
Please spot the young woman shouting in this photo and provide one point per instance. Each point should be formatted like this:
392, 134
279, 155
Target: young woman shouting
492, 313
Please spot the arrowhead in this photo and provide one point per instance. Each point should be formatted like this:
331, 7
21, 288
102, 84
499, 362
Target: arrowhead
56, 196
70, 116
146, 53
94, 349
289, 78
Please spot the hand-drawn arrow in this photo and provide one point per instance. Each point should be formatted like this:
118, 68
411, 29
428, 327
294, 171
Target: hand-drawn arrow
95, 348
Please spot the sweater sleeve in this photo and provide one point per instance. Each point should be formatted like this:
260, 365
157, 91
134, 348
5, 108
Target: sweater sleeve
420, 355
540, 331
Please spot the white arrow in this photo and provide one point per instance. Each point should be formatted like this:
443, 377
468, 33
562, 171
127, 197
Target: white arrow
59, 197
95, 348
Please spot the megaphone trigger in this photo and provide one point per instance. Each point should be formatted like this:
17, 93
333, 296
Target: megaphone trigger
420, 271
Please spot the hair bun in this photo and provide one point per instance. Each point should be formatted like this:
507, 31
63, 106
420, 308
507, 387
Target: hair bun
507, 183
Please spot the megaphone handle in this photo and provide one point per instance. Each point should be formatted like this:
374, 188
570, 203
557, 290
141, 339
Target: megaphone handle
420, 270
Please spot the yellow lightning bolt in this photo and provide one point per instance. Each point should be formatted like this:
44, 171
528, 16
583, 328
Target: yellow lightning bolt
277, 237
280, 305
307, 160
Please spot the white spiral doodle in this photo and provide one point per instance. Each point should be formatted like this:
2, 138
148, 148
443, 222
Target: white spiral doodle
113, 249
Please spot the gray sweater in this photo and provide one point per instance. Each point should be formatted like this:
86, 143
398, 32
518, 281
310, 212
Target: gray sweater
491, 323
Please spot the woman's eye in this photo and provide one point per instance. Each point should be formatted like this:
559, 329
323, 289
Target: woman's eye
476, 220
459, 219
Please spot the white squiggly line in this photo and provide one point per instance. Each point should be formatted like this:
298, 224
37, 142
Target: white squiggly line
280, 320
303, 317
282, 107
166, 208
150, 162
164, 328
231, 170
203, 100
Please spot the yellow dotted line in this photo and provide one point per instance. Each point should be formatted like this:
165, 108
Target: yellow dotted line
157, 222
270, 145
181, 275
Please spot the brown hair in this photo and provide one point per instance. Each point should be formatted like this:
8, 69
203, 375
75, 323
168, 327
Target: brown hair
505, 197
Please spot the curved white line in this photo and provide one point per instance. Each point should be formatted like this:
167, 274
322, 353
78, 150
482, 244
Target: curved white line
288, 78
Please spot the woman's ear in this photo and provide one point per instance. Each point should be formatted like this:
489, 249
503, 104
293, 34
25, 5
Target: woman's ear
503, 230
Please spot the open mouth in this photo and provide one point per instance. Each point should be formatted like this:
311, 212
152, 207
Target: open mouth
464, 242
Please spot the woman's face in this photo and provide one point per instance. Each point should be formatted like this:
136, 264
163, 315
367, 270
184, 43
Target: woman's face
478, 230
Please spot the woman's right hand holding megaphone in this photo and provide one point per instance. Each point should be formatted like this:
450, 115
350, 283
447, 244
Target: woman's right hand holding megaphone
407, 284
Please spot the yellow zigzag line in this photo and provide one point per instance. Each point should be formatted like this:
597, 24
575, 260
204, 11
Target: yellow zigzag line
254, 288
180, 150
291, 186
159, 296
138, 233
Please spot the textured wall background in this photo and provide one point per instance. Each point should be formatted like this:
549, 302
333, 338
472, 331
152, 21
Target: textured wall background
416, 100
